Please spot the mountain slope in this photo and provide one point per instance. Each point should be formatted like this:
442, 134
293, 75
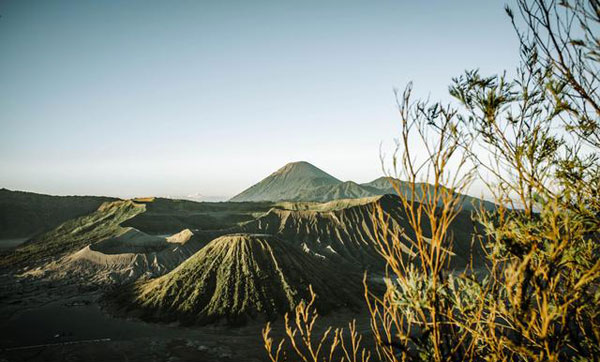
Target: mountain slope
240, 276
388, 185
127, 257
24, 214
166, 216
75, 234
343, 231
384, 185
344, 190
288, 183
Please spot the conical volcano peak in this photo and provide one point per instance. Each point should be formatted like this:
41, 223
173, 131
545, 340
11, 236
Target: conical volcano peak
288, 183
303, 169
241, 276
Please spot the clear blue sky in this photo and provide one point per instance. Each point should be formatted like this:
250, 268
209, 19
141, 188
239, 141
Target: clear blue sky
132, 98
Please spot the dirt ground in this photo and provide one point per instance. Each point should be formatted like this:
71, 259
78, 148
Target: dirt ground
63, 321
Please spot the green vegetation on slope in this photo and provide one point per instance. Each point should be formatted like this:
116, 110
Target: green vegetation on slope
166, 216
75, 234
24, 214
243, 275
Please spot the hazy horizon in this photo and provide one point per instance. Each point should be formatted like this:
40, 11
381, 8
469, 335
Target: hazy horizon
173, 99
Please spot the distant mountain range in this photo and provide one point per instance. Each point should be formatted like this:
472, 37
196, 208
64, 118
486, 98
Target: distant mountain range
302, 181
25, 214
197, 197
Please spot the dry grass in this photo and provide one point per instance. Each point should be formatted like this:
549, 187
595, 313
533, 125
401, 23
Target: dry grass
300, 339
